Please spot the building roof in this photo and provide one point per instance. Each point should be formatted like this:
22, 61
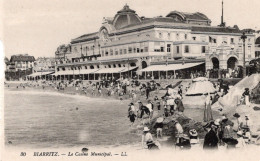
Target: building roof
85, 37
215, 29
22, 58
125, 17
189, 16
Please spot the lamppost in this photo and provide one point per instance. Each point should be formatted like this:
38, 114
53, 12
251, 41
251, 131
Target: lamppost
128, 67
244, 37
41, 73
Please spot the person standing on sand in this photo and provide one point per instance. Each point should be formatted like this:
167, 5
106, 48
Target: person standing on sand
207, 111
159, 127
132, 117
246, 95
179, 105
150, 107
158, 104
147, 91
211, 139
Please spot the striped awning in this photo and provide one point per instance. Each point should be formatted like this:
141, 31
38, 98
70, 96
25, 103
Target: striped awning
170, 67
40, 74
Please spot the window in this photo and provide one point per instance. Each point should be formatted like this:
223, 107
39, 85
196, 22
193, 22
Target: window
232, 40
125, 51
106, 53
116, 52
145, 49
194, 38
102, 52
178, 49
168, 48
121, 51
162, 49
249, 50
137, 50
203, 49
111, 51
129, 50
134, 50
186, 36
186, 49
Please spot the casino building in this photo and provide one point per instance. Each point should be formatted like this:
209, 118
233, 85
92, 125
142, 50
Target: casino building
130, 45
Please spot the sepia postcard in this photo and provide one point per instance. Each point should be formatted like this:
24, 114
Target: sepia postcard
130, 80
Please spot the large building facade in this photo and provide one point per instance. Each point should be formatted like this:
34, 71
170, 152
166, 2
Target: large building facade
127, 42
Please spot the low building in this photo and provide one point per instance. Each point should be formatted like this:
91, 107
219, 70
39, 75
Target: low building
44, 64
22, 62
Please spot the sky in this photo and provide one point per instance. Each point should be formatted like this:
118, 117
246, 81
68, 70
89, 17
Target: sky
38, 27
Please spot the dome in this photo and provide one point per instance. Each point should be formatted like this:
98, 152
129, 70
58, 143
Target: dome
125, 17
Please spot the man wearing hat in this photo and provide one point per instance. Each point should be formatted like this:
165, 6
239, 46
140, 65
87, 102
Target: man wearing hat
147, 138
131, 107
193, 137
211, 139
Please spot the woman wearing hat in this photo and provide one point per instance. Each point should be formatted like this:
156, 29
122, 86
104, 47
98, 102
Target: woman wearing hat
246, 95
239, 121
207, 111
179, 105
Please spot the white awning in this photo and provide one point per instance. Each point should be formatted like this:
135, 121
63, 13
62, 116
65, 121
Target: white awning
109, 70
68, 72
39, 74
128, 69
88, 71
170, 67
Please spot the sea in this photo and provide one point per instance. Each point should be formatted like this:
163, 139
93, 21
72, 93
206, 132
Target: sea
43, 119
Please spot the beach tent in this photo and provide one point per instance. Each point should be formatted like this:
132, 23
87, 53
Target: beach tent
200, 86
232, 98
